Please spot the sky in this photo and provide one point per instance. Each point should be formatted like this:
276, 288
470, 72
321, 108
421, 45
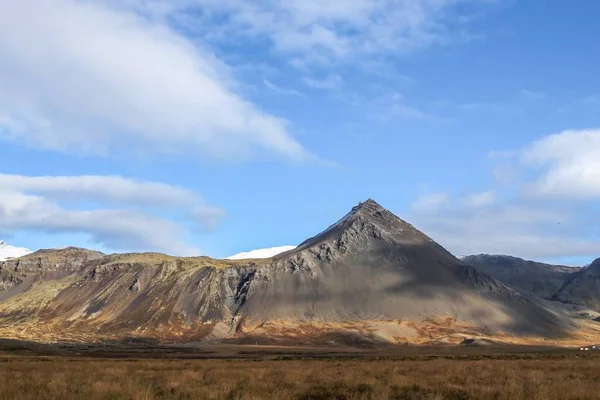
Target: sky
220, 126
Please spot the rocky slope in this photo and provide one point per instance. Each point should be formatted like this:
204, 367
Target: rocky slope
369, 277
544, 280
582, 288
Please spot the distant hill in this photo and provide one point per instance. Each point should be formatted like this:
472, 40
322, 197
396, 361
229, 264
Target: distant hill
544, 280
582, 287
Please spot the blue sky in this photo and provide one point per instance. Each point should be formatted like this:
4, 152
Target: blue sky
214, 127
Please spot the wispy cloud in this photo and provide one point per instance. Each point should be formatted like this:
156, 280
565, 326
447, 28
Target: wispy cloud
533, 96
281, 91
106, 189
481, 199
321, 32
389, 104
329, 82
431, 201
115, 212
526, 213
509, 227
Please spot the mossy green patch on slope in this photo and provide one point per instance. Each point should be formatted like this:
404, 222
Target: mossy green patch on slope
184, 262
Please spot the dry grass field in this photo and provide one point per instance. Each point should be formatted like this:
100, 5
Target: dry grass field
542, 376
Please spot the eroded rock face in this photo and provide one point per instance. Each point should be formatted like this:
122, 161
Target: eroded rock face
582, 288
44, 264
368, 269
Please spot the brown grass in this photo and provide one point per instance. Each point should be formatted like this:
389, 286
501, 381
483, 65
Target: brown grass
543, 378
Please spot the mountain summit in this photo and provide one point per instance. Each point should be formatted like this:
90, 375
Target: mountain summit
366, 221
368, 277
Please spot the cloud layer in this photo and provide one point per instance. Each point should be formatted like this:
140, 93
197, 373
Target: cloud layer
114, 212
82, 76
570, 165
529, 212
322, 32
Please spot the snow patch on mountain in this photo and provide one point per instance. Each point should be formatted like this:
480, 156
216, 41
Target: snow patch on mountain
7, 251
261, 253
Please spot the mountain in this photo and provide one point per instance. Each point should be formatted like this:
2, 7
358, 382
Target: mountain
574, 286
544, 280
261, 253
370, 277
582, 288
18, 275
7, 251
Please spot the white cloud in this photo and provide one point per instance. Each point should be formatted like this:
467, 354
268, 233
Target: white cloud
526, 214
569, 165
281, 91
431, 201
505, 173
528, 231
385, 105
330, 82
61, 204
208, 217
480, 199
106, 189
81, 76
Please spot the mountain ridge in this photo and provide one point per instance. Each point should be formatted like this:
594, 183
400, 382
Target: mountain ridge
370, 276
541, 279
582, 287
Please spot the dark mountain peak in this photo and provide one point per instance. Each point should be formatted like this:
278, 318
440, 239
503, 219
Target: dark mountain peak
369, 204
372, 211
595, 264
366, 222
367, 208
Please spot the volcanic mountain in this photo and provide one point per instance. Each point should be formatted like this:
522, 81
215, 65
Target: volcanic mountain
369, 277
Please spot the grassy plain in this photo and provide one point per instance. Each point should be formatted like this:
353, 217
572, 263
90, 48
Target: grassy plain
257, 372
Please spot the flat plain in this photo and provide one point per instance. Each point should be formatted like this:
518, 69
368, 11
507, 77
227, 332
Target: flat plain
142, 371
